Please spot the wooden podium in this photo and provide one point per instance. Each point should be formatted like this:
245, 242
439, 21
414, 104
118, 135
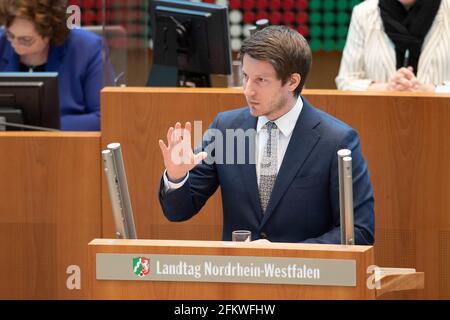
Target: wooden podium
122, 282
403, 138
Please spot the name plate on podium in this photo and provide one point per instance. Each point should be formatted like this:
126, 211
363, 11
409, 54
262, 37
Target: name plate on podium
235, 269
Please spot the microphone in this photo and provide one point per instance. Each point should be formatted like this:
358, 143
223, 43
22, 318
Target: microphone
119, 196
4, 124
116, 79
346, 196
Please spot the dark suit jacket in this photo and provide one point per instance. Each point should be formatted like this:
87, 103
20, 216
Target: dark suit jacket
304, 205
79, 64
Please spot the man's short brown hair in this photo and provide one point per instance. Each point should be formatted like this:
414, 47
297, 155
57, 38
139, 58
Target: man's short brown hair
284, 48
48, 16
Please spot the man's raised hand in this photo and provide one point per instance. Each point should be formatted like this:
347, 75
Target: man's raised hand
178, 156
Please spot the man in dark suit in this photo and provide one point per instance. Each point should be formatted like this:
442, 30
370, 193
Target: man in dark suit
282, 182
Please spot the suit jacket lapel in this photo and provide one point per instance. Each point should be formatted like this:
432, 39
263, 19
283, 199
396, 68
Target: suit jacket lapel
304, 139
387, 52
436, 34
248, 170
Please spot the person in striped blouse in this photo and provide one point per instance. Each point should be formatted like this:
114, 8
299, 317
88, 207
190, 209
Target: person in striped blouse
400, 45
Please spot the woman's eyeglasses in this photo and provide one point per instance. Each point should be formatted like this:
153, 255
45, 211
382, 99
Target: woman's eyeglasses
23, 41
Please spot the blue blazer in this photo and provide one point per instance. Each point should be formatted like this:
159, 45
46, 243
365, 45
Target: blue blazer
304, 205
79, 64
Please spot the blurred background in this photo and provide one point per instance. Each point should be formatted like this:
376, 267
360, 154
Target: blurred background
126, 26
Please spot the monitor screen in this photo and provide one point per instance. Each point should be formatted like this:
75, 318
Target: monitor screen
29, 100
190, 41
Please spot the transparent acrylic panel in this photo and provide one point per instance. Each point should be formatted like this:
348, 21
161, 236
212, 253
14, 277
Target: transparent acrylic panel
126, 30
123, 24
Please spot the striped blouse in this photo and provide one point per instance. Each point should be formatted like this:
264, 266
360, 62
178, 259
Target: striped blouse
369, 54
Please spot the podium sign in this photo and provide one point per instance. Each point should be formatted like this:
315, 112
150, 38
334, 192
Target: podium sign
234, 269
218, 270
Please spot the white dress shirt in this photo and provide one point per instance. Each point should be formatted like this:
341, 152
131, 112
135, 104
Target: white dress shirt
369, 54
285, 124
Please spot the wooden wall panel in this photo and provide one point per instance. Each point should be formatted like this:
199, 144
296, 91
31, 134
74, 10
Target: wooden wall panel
49, 210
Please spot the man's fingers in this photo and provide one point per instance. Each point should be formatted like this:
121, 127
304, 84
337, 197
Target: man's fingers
163, 145
169, 136
178, 127
179, 145
177, 133
199, 157
188, 127
163, 148
186, 132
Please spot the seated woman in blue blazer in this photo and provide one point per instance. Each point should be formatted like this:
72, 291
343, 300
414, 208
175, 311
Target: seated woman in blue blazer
36, 39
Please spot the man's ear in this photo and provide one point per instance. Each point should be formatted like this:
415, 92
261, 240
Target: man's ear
294, 81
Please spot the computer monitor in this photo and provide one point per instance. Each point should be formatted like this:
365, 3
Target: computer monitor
191, 41
29, 101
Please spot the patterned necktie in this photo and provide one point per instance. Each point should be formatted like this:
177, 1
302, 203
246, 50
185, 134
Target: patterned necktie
268, 165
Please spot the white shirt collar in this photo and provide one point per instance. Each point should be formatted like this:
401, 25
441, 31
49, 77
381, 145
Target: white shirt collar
286, 122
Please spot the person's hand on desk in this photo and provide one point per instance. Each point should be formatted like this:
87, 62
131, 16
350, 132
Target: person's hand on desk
403, 80
423, 87
178, 156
